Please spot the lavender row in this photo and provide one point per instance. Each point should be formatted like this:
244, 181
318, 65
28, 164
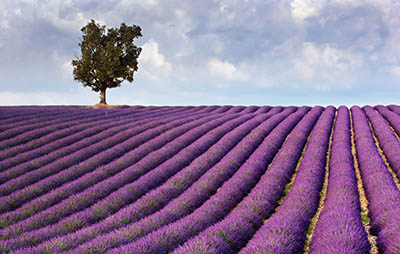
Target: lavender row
222, 109
25, 115
244, 110
285, 230
58, 139
75, 160
8, 112
31, 114
339, 228
207, 185
394, 108
387, 139
231, 234
218, 206
391, 117
64, 146
249, 109
154, 178
45, 139
25, 135
235, 109
214, 209
210, 180
28, 117
123, 196
143, 157
63, 142
14, 149
80, 168
79, 118
55, 154
381, 190
22, 134
32, 117
107, 150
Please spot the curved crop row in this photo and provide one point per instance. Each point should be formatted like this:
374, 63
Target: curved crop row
48, 119
217, 206
181, 204
387, 139
81, 161
65, 122
381, 191
250, 109
232, 233
285, 230
390, 116
10, 112
223, 109
339, 228
207, 179
25, 116
111, 166
263, 109
394, 108
80, 167
57, 134
64, 146
236, 109
23, 134
129, 193
154, 199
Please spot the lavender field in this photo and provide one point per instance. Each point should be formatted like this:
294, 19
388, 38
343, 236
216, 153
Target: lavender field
204, 179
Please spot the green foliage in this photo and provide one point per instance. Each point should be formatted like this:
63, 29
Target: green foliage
364, 216
62, 246
108, 56
27, 212
4, 250
287, 188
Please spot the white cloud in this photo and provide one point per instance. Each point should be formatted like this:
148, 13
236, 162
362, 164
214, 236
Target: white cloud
326, 62
64, 65
221, 68
218, 48
151, 62
3, 20
303, 9
390, 52
227, 70
183, 23
198, 44
395, 70
4, 26
375, 25
18, 12
145, 4
54, 12
49, 98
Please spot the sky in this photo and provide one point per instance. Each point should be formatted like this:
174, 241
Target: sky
209, 52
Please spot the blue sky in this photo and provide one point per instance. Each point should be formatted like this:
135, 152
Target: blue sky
226, 52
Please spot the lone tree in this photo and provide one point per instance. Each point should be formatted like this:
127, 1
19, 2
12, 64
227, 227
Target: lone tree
109, 57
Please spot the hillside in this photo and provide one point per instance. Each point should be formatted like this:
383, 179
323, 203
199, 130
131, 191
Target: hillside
204, 179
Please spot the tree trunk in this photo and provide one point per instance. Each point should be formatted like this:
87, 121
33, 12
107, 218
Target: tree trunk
103, 96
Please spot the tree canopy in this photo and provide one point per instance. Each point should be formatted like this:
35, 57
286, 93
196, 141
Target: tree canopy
108, 57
